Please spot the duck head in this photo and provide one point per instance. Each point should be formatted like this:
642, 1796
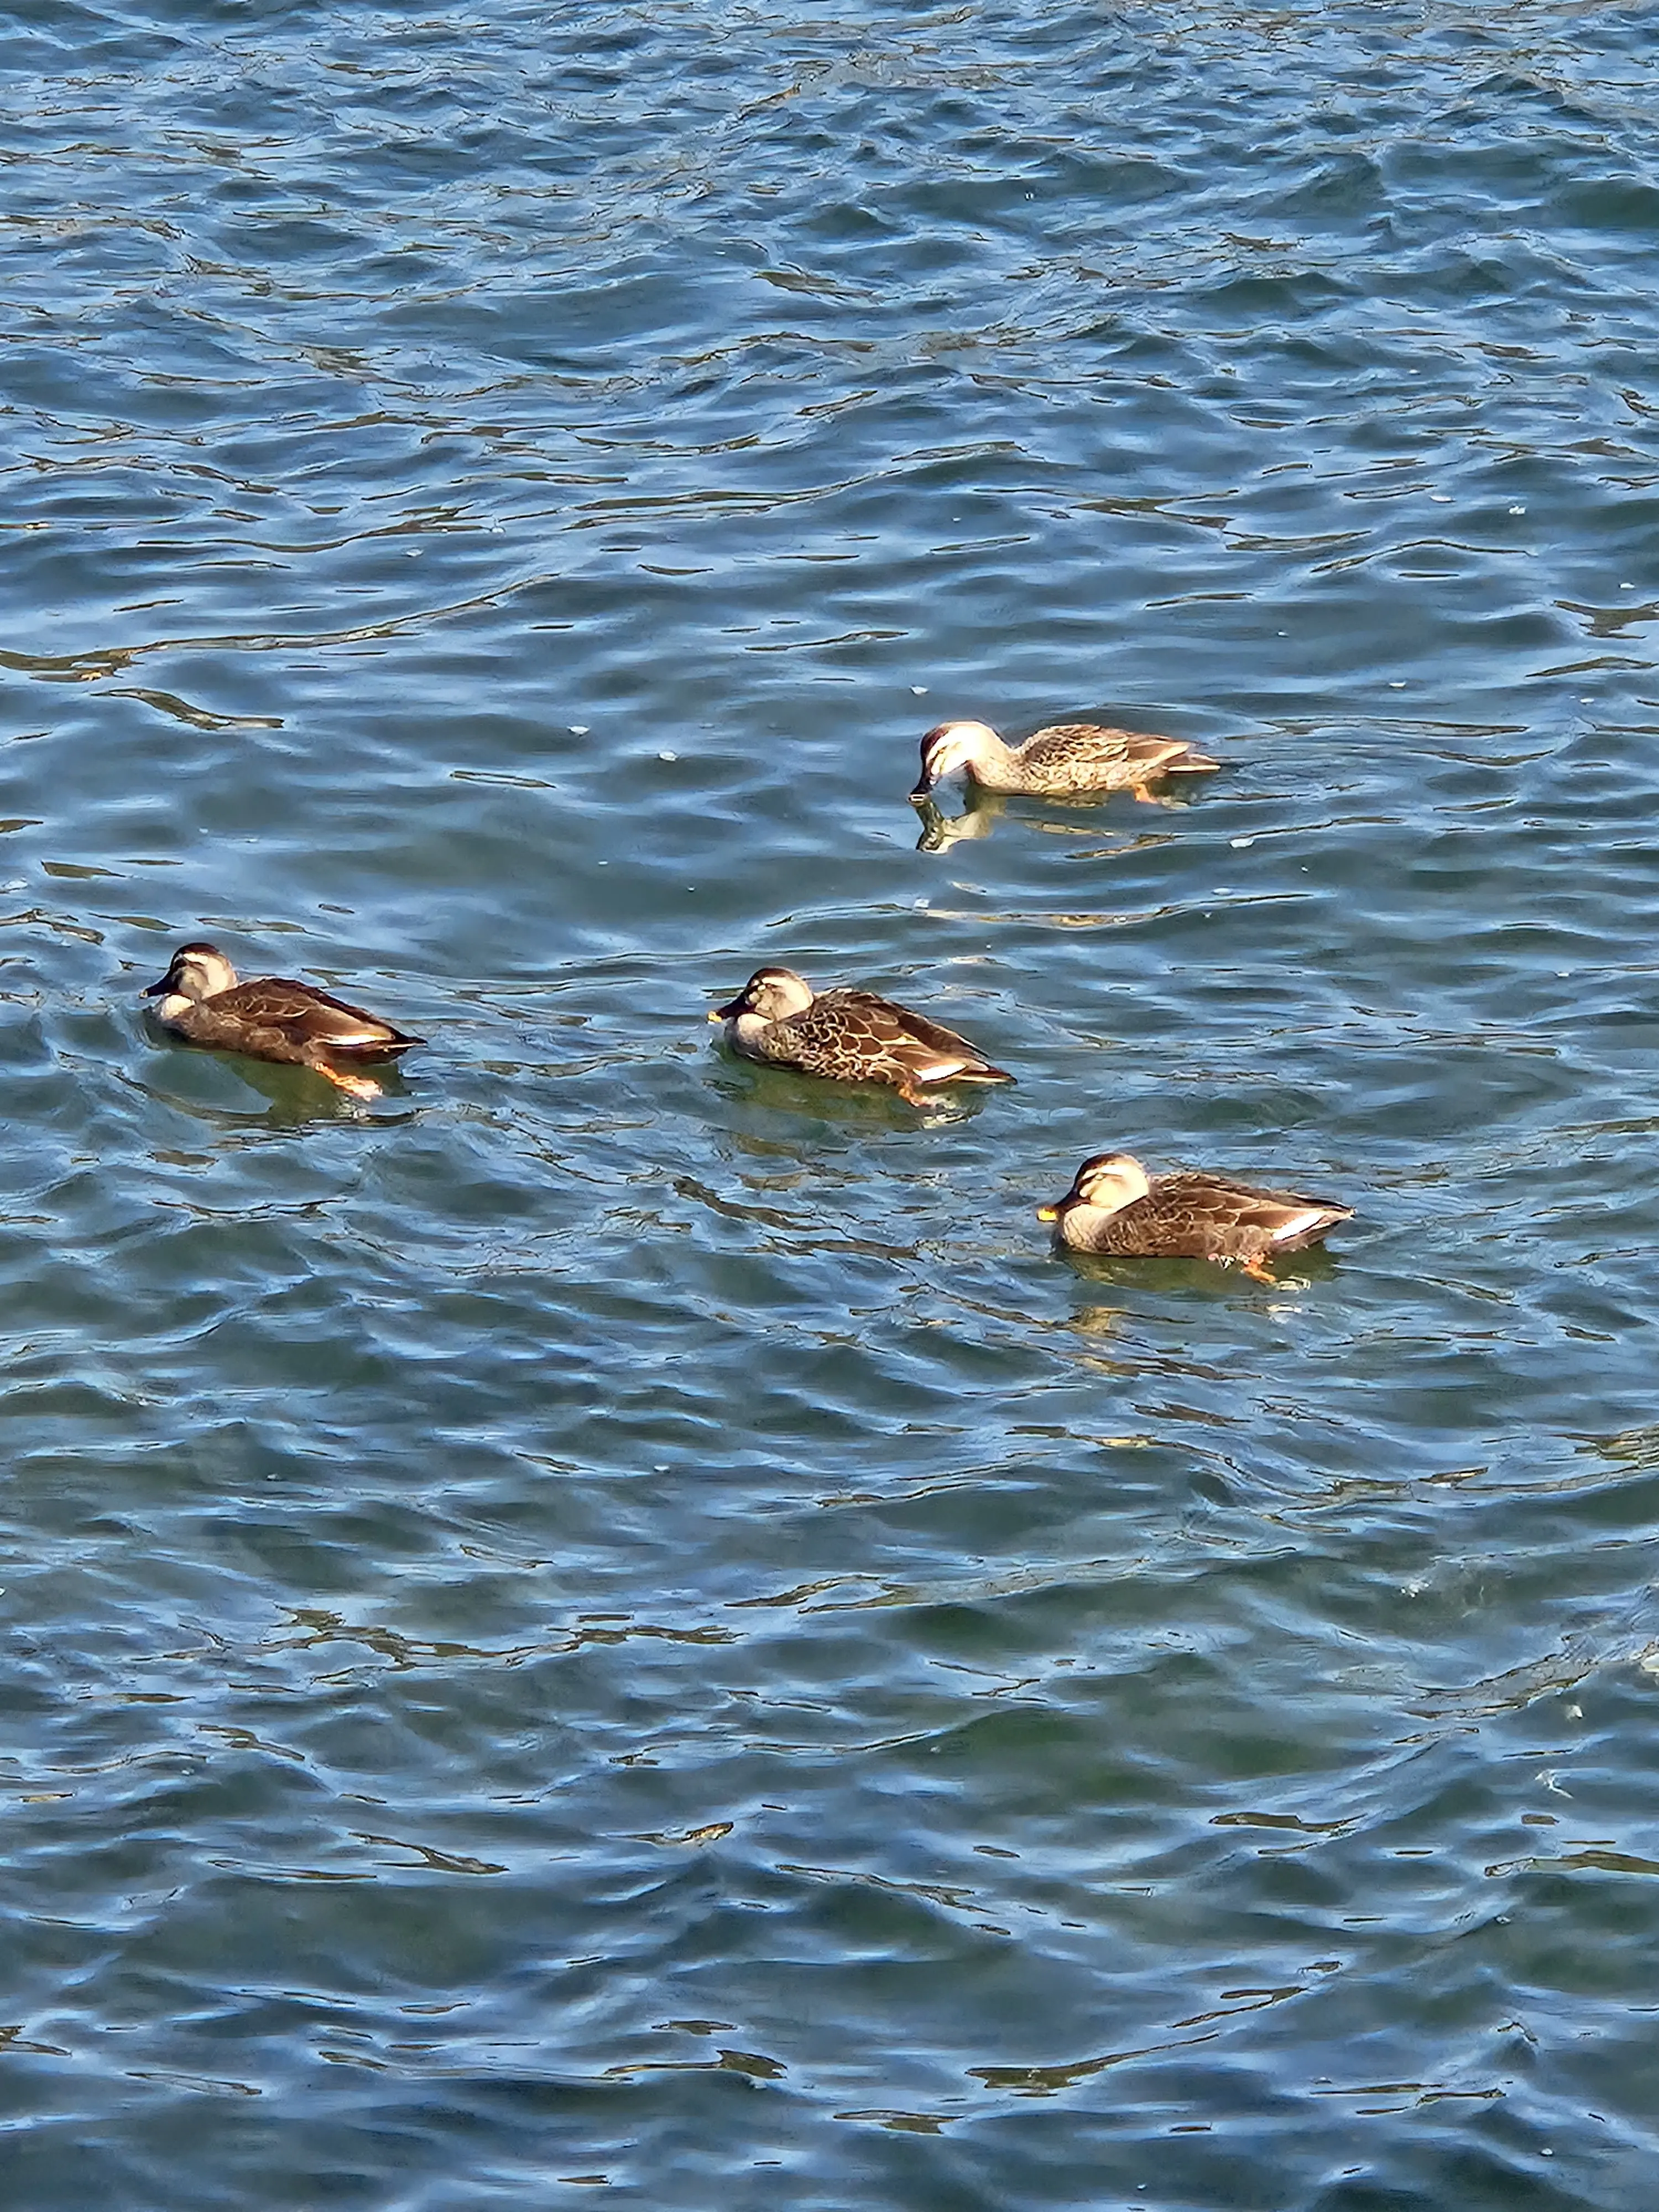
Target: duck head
1105, 1184
771, 994
951, 746
196, 971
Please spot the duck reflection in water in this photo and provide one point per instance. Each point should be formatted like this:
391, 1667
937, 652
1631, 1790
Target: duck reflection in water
293, 1100
939, 831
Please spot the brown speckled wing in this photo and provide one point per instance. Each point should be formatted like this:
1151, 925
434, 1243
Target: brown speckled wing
856, 1037
1094, 739
919, 1050
1081, 756
932, 1036
1207, 1214
307, 1017
845, 1034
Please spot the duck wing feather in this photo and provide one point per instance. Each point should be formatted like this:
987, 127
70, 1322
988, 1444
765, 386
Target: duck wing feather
1126, 755
859, 1036
1199, 1212
305, 1017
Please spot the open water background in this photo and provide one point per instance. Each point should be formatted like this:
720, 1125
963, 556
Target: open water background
615, 1624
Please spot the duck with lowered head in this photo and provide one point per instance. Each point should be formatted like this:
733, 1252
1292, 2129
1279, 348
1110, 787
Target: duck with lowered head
1066, 760
1115, 1206
272, 1017
850, 1037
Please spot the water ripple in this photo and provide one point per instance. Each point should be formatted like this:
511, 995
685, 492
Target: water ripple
614, 1613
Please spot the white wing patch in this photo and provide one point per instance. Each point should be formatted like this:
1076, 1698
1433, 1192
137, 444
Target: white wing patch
345, 1031
1298, 1223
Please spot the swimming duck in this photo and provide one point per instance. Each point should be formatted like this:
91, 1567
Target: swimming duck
1114, 1206
272, 1018
1065, 761
852, 1037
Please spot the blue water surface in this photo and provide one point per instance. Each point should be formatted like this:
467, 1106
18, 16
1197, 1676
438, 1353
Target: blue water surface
611, 1622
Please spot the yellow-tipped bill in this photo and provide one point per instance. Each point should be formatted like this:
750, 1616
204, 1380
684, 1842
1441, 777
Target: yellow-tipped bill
1047, 1214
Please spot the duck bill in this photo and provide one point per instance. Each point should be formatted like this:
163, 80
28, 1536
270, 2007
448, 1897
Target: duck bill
727, 1013
155, 990
923, 791
1051, 1212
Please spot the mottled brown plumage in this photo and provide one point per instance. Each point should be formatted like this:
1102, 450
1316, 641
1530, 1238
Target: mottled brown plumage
1066, 760
272, 1018
1114, 1206
850, 1037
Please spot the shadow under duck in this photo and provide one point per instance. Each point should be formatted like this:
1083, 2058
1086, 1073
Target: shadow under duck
1115, 1206
272, 1017
850, 1037
1063, 761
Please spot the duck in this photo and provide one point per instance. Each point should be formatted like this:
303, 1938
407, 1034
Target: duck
1114, 1206
849, 1035
1063, 761
272, 1018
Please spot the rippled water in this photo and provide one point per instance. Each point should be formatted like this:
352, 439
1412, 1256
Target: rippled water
617, 1620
